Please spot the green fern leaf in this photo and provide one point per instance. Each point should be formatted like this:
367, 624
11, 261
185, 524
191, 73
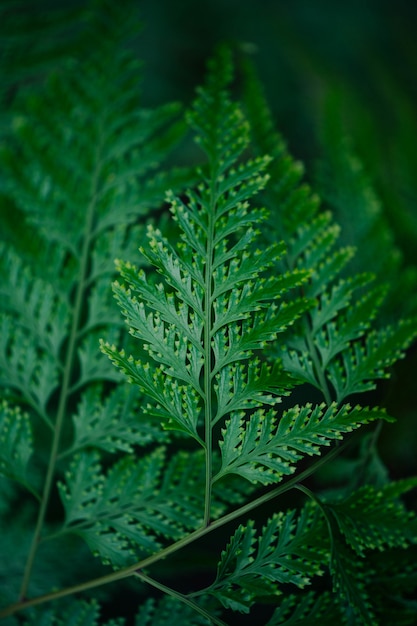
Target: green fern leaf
265, 448
175, 405
41, 311
30, 344
78, 184
400, 572
200, 312
359, 365
214, 307
83, 613
239, 388
349, 583
254, 565
110, 423
122, 514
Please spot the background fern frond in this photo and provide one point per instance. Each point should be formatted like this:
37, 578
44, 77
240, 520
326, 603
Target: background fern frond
165, 611
111, 423
79, 613
305, 610
394, 585
347, 187
16, 445
88, 613
360, 366
349, 583
341, 306
127, 511
79, 151
367, 524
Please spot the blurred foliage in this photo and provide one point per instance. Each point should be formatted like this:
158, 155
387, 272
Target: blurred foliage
305, 52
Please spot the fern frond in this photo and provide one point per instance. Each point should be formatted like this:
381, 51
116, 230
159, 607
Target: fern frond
175, 404
78, 155
63, 189
34, 323
213, 308
16, 445
255, 565
367, 523
110, 423
396, 570
267, 447
124, 513
349, 583
326, 349
239, 388
308, 609
360, 365
344, 184
166, 612
33, 374
36, 37
200, 310
41, 311
78, 613
88, 613
394, 585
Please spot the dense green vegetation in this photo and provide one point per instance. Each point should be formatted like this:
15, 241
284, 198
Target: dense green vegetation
206, 362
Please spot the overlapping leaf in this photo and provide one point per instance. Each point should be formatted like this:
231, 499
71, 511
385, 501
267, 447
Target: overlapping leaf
197, 331
346, 186
127, 511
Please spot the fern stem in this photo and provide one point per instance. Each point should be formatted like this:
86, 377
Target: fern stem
198, 534
324, 387
322, 507
181, 597
65, 387
208, 356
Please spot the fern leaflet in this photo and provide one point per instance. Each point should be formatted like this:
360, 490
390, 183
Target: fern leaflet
265, 449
